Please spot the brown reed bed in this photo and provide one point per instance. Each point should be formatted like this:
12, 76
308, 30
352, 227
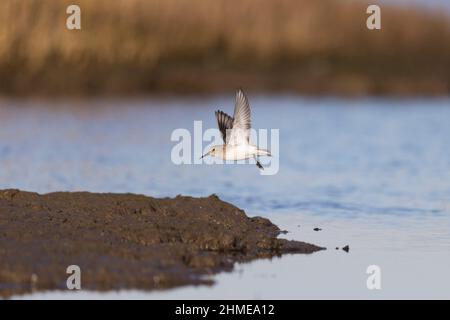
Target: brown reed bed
131, 47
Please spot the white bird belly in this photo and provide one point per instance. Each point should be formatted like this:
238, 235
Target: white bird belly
239, 152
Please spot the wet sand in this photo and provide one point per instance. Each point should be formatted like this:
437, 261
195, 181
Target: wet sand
126, 241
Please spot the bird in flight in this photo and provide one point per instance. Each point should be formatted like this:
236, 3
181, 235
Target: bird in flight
236, 134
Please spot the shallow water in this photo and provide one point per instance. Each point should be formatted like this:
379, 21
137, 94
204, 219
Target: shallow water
372, 173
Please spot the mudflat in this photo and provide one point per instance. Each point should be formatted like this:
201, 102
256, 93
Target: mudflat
126, 241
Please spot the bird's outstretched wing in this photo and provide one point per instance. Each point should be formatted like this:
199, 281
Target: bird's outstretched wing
240, 133
225, 123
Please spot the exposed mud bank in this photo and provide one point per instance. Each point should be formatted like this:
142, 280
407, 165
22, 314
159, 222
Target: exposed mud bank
126, 241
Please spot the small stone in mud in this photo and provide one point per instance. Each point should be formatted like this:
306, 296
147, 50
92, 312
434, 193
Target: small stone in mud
346, 248
317, 229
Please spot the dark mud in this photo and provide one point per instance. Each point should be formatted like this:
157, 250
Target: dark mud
125, 241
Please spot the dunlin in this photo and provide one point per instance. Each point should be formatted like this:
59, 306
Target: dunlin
236, 134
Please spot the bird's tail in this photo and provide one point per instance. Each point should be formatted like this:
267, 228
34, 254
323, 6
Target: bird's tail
263, 152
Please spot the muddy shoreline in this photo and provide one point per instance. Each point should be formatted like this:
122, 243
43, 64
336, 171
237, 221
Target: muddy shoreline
126, 241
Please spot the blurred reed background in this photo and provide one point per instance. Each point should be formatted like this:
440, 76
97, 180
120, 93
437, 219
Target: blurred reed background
129, 47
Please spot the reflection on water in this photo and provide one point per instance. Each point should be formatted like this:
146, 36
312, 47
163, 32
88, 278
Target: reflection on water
373, 173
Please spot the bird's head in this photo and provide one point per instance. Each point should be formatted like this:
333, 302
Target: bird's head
213, 151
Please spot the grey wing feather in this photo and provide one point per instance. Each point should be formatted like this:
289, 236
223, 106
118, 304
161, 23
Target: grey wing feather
240, 133
225, 123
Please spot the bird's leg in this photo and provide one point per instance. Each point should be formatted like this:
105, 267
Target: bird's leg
258, 164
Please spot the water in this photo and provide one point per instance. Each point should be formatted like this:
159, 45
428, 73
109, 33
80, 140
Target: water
372, 173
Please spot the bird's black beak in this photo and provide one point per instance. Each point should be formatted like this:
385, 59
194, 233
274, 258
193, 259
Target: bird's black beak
205, 155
